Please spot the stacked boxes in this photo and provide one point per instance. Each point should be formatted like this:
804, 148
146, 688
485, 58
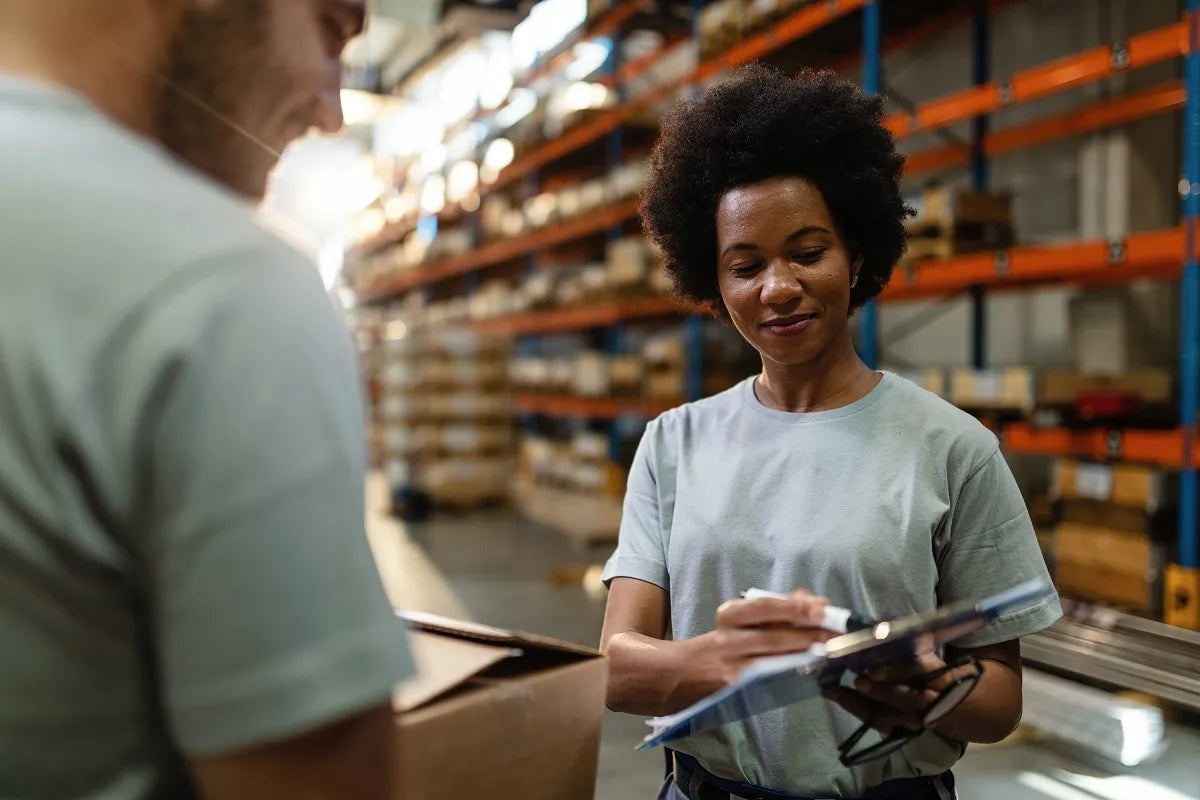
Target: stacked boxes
571, 486
443, 416
994, 390
1106, 548
953, 221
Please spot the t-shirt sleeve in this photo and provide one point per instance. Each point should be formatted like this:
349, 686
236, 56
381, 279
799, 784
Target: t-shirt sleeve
641, 552
269, 616
987, 545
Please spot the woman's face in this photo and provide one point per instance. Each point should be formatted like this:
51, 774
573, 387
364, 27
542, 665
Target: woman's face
783, 269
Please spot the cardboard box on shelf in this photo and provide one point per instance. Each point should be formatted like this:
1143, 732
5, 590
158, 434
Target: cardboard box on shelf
1063, 387
628, 373
592, 376
1098, 563
629, 262
666, 350
666, 385
522, 713
1181, 597
583, 516
1110, 515
1009, 389
1131, 485
931, 380
720, 24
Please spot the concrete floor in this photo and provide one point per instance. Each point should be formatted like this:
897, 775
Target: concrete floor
496, 568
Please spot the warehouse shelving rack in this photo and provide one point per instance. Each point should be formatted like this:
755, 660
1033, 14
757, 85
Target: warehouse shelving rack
1163, 254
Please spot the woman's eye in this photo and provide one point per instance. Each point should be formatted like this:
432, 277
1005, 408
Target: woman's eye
744, 269
808, 256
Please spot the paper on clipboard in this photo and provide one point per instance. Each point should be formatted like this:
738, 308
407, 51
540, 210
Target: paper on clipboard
777, 681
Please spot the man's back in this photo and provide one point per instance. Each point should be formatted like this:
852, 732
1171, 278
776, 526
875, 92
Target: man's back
182, 565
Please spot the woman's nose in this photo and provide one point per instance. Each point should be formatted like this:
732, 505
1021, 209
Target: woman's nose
780, 283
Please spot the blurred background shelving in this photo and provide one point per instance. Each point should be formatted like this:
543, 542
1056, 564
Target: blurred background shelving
1051, 287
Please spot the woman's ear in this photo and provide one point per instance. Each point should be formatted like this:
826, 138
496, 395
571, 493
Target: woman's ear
855, 268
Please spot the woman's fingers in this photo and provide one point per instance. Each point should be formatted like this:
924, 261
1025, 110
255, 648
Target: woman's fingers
799, 608
881, 716
741, 643
898, 696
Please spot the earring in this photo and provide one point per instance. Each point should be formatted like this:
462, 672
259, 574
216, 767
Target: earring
854, 281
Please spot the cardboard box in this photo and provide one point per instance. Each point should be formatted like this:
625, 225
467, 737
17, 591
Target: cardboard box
931, 380
1097, 563
1063, 387
1109, 515
943, 206
499, 714
1181, 597
592, 375
1129, 485
1007, 389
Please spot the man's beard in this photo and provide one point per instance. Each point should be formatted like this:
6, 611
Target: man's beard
217, 80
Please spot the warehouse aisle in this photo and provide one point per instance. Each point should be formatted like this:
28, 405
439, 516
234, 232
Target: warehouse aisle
496, 568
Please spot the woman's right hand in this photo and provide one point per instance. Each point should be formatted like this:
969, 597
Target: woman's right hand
750, 628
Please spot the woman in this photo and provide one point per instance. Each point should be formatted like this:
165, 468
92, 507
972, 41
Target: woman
777, 202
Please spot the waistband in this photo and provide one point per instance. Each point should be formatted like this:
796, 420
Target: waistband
696, 783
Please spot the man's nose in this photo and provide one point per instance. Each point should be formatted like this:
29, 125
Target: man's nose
329, 110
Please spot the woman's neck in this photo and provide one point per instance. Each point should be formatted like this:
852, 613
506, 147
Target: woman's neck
837, 378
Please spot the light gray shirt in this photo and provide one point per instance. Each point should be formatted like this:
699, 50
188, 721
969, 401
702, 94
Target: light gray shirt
892, 505
183, 564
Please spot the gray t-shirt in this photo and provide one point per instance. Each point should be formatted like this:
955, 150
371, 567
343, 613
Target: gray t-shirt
892, 505
183, 564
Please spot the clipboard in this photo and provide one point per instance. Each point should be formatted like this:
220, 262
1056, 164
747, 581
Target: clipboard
777, 681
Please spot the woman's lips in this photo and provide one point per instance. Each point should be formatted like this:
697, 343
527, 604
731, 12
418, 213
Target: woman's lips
793, 325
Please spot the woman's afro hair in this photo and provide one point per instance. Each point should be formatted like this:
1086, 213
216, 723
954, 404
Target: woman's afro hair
761, 124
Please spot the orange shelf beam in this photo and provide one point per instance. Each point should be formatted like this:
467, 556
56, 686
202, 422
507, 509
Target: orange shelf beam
577, 319
1031, 84
498, 252
1162, 448
1089, 119
1153, 254
593, 407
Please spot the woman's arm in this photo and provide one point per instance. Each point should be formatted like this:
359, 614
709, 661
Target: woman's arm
647, 674
652, 676
990, 713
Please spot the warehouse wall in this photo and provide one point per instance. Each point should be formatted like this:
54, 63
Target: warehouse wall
1103, 185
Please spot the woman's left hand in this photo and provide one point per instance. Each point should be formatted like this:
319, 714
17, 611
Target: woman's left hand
896, 696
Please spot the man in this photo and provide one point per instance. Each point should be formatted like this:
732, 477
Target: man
188, 607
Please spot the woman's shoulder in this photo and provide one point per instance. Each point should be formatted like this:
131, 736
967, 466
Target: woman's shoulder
692, 422
939, 423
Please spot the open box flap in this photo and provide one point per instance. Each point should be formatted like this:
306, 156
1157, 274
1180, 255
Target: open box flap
474, 632
444, 662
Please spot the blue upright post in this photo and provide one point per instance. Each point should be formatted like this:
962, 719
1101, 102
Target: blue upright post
980, 74
1189, 366
615, 146
868, 345
695, 354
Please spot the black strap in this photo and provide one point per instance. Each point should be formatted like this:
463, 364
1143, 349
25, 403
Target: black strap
686, 768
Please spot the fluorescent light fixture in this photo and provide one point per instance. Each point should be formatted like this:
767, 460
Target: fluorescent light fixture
398, 207
588, 57
522, 104
499, 154
433, 194
396, 330
463, 179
